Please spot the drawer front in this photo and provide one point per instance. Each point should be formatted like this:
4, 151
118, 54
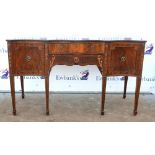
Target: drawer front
28, 58
75, 60
123, 59
75, 48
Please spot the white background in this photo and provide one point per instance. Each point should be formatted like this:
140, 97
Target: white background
70, 19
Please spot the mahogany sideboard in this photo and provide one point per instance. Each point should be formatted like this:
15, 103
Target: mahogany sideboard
113, 58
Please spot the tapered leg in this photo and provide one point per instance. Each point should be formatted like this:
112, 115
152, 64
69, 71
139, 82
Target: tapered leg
12, 84
100, 69
104, 81
22, 85
137, 91
125, 86
47, 94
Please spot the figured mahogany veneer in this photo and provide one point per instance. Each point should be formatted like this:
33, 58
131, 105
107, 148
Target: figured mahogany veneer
113, 58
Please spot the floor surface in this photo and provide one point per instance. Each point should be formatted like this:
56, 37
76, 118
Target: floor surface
76, 108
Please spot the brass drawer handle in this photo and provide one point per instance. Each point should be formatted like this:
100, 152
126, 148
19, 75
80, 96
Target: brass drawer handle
76, 60
28, 58
123, 59
93, 47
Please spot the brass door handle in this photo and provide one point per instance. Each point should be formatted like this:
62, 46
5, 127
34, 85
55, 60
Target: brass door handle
123, 58
28, 58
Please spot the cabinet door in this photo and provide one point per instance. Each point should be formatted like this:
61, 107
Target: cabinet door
123, 59
28, 58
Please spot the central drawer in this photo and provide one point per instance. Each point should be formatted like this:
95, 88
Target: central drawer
75, 60
76, 47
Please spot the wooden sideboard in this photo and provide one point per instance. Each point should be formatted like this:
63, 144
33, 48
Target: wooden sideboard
113, 58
